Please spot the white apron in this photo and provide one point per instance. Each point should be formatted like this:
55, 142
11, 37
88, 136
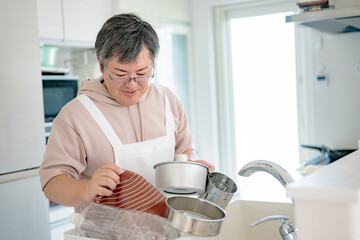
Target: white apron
142, 156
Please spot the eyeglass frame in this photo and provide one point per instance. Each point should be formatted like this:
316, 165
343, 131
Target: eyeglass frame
128, 79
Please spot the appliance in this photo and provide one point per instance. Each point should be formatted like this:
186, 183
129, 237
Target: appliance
57, 91
24, 210
336, 16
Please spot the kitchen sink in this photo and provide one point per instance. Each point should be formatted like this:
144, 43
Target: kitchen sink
241, 213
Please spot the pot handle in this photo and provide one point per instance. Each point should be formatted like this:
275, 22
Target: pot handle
181, 157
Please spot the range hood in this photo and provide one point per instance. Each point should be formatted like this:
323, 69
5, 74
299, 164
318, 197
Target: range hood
332, 20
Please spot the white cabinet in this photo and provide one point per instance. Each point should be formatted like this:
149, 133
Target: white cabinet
50, 19
72, 22
84, 18
24, 211
177, 11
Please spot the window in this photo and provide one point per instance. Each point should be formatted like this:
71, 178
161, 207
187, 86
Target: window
262, 87
172, 65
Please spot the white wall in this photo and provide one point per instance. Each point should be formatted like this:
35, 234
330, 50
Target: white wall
335, 108
204, 81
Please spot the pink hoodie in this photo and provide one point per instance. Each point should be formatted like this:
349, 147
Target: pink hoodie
77, 147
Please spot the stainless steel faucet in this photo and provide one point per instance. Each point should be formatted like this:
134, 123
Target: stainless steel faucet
266, 166
287, 229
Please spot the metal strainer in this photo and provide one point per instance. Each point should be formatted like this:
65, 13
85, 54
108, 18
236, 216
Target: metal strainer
220, 189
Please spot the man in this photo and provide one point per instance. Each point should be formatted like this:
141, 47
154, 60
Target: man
118, 121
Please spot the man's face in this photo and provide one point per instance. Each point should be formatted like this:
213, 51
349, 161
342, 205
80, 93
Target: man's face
116, 76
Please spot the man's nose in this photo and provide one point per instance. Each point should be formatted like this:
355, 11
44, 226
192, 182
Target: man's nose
131, 82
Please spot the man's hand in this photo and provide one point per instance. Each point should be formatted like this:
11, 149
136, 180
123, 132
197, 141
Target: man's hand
104, 180
191, 153
69, 191
205, 163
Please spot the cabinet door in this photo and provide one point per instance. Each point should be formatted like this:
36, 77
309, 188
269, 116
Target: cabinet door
50, 19
24, 210
84, 18
172, 10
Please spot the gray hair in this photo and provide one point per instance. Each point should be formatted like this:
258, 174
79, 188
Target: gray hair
123, 36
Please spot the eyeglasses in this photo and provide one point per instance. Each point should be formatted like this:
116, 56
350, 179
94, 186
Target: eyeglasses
123, 80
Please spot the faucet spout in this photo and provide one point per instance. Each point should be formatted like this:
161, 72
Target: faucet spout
266, 166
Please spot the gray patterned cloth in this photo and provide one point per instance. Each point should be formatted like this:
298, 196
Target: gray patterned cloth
111, 223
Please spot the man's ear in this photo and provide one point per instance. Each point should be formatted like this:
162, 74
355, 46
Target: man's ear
100, 65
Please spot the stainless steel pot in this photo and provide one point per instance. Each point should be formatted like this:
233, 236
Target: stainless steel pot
181, 177
195, 216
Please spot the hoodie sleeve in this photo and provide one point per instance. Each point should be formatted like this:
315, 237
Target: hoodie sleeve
183, 136
64, 153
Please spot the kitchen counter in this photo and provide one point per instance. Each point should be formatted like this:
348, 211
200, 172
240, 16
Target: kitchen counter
339, 181
327, 202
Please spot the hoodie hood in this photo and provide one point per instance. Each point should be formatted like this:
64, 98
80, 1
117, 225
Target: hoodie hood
94, 89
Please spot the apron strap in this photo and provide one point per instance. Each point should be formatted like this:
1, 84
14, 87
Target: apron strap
100, 120
109, 131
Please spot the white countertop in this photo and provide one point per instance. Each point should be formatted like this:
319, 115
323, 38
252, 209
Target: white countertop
338, 181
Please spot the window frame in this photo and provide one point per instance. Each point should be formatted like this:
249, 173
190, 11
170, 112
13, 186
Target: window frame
180, 28
224, 87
